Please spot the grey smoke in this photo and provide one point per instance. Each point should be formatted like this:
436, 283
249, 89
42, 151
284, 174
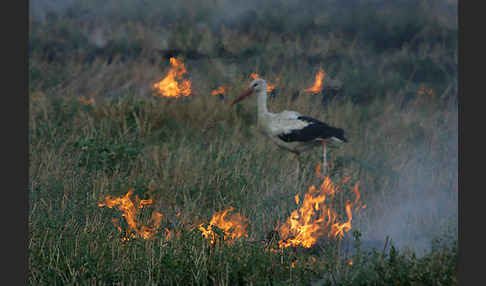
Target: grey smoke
235, 12
423, 206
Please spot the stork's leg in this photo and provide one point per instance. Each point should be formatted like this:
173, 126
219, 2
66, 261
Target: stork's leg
297, 157
324, 158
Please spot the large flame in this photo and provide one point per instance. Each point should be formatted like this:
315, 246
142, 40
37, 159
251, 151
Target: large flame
130, 211
270, 86
317, 87
233, 226
173, 85
317, 216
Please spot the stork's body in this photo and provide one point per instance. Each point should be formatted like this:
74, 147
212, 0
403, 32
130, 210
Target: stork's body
289, 129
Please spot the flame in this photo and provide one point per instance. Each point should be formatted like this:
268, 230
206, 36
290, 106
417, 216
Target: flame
219, 90
89, 101
317, 216
308, 261
423, 90
131, 209
254, 75
173, 85
270, 86
317, 87
233, 226
350, 262
37, 96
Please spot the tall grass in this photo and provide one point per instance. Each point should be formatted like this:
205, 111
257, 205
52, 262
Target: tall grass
196, 161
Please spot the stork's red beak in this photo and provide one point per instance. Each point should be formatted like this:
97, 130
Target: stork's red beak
243, 95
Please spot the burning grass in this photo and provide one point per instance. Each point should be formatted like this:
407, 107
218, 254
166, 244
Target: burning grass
174, 85
318, 216
88, 101
131, 209
317, 87
202, 156
219, 91
229, 226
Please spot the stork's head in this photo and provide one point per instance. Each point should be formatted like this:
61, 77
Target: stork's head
257, 85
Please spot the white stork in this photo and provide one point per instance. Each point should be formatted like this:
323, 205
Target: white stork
289, 129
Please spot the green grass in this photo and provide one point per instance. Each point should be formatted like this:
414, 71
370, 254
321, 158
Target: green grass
198, 155
196, 161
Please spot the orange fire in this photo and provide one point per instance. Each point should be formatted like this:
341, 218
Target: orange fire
317, 216
173, 85
308, 261
423, 90
219, 90
233, 226
89, 101
270, 86
131, 209
317, 88
37, 96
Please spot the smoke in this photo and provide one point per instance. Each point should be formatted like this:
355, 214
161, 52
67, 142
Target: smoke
231, 12
423, 206
416, 223
39, 9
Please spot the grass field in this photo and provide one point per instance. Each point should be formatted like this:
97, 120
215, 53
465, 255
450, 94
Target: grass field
391, 83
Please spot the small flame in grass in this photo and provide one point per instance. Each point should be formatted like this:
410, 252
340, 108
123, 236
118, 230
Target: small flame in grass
173, 85
423, 90
130, 209
254, 75
233, 226
270, 86
219, 90
306, 262
350, 262
89, 101
37, 96
317, 216
317, 87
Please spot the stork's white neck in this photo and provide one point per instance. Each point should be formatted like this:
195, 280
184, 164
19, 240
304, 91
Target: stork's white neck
262, 103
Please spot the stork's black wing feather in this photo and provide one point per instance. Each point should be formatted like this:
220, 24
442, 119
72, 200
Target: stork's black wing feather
315, 130
311, 120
